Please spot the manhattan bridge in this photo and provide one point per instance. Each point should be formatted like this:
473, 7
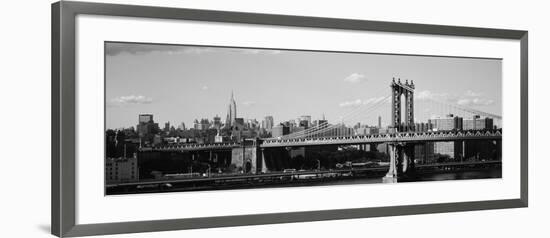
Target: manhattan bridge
401, 138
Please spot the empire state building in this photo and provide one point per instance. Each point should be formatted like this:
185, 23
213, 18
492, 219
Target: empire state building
231, 112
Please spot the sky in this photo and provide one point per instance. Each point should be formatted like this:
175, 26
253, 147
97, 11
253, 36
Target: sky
178, 83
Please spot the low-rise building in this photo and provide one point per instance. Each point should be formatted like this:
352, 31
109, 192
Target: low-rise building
122, 169
478, 123
279, 131
447, 123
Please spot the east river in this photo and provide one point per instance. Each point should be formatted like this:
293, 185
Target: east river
290, 180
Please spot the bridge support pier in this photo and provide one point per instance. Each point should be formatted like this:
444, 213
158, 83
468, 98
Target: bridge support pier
408, 159
391, 176
401, 162
261, 167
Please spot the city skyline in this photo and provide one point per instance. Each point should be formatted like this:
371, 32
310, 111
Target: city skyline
310, 84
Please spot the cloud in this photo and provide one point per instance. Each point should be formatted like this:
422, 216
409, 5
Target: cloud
353, 103
426, 94
471, 93
248, 103
475, 102
472, 98
468, 98
128, 100
204, 88
359, 102
355, 78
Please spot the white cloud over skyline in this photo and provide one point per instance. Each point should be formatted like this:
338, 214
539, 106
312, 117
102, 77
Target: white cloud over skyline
468, 98
131, 99
355, 78
475, 102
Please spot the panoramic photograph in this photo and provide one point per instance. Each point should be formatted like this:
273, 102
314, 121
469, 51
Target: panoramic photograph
183, 118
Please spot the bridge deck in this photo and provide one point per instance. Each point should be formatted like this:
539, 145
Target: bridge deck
381, 138
411, 137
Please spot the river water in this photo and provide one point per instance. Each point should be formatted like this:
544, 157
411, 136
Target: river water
431, 176
440, 176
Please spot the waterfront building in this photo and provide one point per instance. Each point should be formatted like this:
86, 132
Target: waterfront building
121, 169
279, 131
478, 123
447, 123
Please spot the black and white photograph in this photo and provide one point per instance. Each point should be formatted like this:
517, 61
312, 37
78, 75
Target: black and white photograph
240, 118
183, 118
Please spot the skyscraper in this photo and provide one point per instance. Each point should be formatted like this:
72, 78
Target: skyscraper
146, 127
167, 127
231, 111
145, 118
269, 123
182, 126
305, 121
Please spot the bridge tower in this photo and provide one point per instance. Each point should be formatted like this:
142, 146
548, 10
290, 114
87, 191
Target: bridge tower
406, 89
401, 154
249, 156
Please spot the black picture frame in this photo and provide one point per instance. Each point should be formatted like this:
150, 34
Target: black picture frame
63, 117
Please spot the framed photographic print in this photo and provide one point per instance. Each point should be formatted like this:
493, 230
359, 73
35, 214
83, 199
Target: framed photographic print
210, 119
